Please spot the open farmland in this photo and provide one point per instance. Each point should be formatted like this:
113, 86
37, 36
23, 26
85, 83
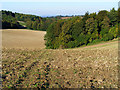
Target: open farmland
21, 38
86, 67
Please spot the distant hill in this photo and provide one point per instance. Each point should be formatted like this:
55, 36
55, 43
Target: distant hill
9, 20
12, 20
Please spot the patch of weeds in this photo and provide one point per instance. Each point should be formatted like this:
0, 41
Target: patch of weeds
47, 68
51, 69
36, 85
9, 87
19, 81
39, 73
25, 74
3, 76
57, 71
75, 71
7, 72
27, 85
45, 73
88, 73
20, 76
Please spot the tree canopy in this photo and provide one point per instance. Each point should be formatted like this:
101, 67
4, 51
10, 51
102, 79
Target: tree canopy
77, 31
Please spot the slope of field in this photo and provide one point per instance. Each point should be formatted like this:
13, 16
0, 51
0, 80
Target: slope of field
87, 67
21, 38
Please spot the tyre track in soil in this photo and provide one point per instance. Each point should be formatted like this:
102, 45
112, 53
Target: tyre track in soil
18, 69
38, 77
27, 72
12, 67
33, 66
16, 65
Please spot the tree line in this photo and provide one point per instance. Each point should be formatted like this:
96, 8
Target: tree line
10, 20
78, 31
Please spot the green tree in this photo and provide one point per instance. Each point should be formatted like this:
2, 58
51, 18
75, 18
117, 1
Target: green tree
34, 25
112, 15
91, 29
105, 26
38, 26
77, 29
29, 24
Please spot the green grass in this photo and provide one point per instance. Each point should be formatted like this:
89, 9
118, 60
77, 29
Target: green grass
22, 23
96, 42
100, 41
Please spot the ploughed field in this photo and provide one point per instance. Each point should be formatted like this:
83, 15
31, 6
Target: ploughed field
93, 66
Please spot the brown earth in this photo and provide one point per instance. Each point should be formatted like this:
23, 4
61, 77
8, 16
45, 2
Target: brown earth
66, 17
94, 66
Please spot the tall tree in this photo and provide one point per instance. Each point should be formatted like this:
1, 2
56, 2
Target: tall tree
112, 15
34, 25
105, 26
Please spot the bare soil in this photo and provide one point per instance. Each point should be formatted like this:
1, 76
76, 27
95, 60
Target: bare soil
94, 66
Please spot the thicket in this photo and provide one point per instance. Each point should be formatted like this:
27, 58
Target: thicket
79, 31
11, 20
35, 22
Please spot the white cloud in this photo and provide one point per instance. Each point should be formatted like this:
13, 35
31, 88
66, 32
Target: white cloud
59, 0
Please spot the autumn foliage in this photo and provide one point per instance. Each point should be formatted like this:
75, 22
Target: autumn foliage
77, 31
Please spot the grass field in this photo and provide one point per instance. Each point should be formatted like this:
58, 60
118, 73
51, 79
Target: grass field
92, 66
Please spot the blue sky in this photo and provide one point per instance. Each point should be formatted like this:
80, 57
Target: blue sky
57, 8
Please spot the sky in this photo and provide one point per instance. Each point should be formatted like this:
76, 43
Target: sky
59, 7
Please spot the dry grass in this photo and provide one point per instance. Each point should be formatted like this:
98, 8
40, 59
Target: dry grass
87, 67
21, 38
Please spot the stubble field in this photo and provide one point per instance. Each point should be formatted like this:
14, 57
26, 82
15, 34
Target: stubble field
21, 38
